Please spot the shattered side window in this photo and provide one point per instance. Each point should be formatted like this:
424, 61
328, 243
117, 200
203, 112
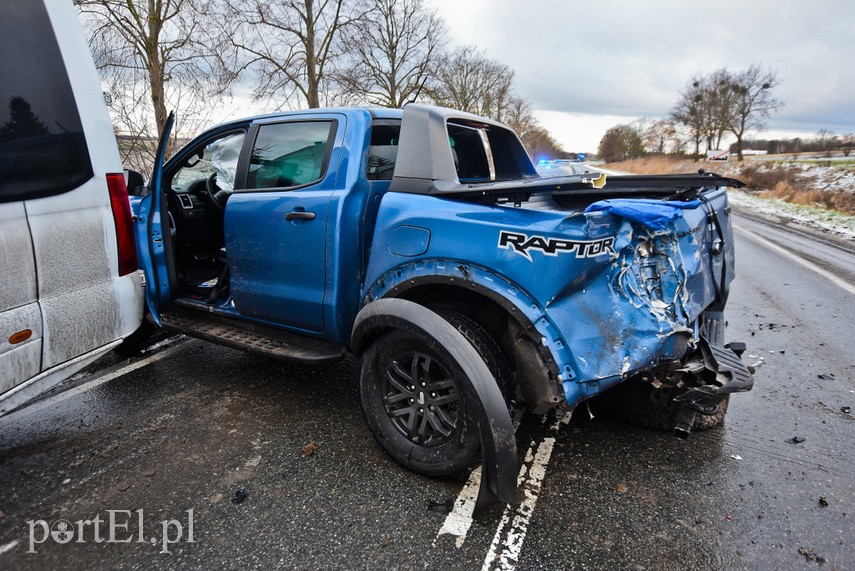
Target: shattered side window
224, 159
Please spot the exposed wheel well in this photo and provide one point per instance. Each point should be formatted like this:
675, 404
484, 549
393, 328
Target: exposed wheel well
533, 370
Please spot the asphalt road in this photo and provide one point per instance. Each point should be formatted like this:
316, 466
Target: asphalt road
185, 426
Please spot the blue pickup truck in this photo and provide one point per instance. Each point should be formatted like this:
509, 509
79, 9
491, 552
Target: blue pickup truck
424, 241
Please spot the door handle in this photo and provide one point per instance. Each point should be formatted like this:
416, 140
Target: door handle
299, 215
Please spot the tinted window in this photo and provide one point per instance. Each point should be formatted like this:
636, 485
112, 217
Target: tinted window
42, 146
289, 154
383, 151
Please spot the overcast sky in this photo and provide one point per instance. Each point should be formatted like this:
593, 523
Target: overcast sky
589, 65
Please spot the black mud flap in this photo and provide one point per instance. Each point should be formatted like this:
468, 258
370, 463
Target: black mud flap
724, 373
498, 444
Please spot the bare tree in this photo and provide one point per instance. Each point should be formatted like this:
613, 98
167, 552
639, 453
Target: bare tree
688, 112
825, 140
751, 101
847, 143
393, 50
469, 81
657, 135
291, 46
154, 55
536, 139
660, 136
716, 106
723, 102
619, 143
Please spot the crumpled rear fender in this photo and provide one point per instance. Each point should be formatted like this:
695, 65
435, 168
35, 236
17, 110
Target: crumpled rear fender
608, 297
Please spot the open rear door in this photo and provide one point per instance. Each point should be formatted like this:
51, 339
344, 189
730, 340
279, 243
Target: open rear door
154, 241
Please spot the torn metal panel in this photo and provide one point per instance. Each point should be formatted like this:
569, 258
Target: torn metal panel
608, 295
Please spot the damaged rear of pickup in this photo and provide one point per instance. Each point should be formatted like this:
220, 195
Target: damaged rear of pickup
424, 241
590, 284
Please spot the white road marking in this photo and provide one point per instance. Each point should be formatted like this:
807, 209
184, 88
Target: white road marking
459, 520
510, 534
786, 253
9, 546
173, 346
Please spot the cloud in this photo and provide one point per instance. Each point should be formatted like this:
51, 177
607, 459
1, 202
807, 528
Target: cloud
629, 59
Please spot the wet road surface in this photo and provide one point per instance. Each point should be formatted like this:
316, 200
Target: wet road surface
195, 422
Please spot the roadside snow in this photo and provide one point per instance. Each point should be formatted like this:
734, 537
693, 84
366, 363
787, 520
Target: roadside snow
820, 177
819, 218
835, 179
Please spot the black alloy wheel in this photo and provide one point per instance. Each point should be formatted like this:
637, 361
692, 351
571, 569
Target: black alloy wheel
421, 398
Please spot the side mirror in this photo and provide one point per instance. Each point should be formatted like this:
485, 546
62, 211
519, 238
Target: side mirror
135, 183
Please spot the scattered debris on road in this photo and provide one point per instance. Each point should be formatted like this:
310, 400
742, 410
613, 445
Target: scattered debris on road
309, 449
810, 555
239, 495
444, 506
796, 440
823, 502
845, 409
622, 488
736, 456
826, 376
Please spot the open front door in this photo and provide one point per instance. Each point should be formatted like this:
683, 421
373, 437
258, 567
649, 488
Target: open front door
154, 241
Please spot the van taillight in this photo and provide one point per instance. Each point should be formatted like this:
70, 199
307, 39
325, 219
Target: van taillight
124, 228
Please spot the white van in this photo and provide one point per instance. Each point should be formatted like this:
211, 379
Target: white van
69, 286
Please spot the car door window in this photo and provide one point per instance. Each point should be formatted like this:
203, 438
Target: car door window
219, 157
292, 154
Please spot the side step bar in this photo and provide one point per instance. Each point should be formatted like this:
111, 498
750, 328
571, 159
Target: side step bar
259, 339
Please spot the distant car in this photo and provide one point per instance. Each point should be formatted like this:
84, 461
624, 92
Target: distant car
69, 286
561, 167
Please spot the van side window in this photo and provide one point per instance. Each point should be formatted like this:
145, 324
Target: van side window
290, 154
43, 149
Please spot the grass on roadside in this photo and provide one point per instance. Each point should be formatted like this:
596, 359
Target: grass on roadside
786, 182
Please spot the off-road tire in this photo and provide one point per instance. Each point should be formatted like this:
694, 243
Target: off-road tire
639, 403
440, 455
487, 348
436, 454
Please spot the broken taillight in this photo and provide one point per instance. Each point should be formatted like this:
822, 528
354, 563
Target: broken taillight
124, 228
